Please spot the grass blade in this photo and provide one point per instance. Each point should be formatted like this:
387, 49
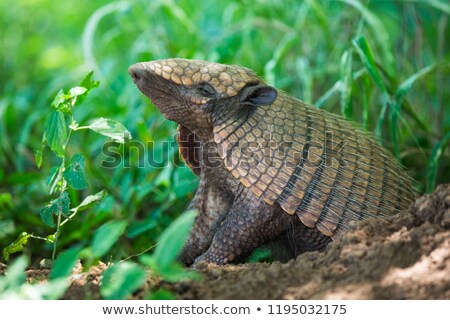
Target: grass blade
366, 55
440, 5
434, 161
283, 48
402, 90
306, 79
393, 128
378, 30
406, 107
320, 103
347, 83
406, 85
379, 127
411, 131
366, 102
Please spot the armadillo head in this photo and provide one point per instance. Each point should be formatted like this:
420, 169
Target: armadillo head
197, 93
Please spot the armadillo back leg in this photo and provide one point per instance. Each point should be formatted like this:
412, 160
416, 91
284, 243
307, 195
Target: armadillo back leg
298, 239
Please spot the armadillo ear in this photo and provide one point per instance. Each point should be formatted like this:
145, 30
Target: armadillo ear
258, 95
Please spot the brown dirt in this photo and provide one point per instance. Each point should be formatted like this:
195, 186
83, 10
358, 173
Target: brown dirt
408, 258
85, 285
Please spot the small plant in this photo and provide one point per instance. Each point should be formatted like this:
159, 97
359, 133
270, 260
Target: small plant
164, 261
13, 284
122, 279
59, 127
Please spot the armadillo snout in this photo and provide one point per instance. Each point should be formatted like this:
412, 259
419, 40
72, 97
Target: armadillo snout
136, 72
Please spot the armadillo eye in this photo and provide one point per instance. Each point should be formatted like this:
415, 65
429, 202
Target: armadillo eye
205, 90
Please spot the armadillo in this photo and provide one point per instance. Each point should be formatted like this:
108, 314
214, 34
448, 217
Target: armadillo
272, 169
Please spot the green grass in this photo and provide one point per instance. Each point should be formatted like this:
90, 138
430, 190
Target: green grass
384, 64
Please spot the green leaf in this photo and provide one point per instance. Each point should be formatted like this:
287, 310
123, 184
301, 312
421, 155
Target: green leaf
88, 83
171, 273
366, 55
6, 200
160, 294
51, 238
61, 205
106, 236
64, 102
163, 178
76, 96
260, 254
347, 83
91, 200
56, 132
7, 227
74, 174
184, 182
87, 203
176, 272
17, 245
172, 240
77, 91
47, 213
121, 280
64, 264
52, 290
139, 227
16, 274
434, 161
13, 285
38, 157
60, 102
53, 179
110, 128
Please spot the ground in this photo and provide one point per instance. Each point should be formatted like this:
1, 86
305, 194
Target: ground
407, 258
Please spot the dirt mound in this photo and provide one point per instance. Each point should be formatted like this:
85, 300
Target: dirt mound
408, 258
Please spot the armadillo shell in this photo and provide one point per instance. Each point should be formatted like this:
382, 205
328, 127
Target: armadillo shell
313, 164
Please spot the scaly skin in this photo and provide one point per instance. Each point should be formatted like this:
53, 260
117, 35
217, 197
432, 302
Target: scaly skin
272, 169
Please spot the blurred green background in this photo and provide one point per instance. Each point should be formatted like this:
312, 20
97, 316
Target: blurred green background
315, 50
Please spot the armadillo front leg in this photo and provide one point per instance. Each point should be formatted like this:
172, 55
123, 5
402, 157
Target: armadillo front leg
250, 223
211, 203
